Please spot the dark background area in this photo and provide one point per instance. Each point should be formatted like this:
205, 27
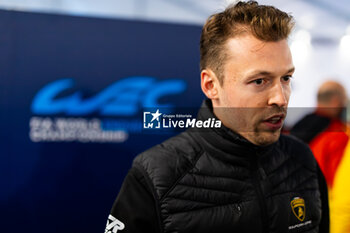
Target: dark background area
71, 186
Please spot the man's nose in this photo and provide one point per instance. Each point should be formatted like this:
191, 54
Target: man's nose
278, 96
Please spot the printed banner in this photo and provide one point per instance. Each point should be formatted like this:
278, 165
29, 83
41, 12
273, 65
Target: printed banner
72, 95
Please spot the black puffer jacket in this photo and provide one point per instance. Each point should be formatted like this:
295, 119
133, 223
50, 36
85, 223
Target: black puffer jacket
216, 181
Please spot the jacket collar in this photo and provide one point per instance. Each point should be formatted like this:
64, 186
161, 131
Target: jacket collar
224, 139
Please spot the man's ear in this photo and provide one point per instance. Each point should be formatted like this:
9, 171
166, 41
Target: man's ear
210, 84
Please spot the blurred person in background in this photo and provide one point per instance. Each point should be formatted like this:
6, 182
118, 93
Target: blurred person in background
324, 129
326, 132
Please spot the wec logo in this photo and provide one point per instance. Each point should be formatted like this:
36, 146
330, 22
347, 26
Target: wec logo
122, 98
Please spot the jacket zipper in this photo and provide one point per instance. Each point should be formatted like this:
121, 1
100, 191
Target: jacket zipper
260, 174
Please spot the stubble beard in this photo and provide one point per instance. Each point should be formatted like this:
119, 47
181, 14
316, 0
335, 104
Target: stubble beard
263, 138
253, 130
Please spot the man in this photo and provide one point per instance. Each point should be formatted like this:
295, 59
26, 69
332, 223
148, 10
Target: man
331, 103
325, 132
242, 177
324, 129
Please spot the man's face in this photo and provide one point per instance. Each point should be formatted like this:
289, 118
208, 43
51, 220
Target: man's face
253, 98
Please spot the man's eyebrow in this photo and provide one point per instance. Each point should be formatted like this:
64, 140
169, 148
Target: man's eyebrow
291, 70
267, 73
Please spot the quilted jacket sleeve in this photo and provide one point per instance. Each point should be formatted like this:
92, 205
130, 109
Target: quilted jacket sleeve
134, 210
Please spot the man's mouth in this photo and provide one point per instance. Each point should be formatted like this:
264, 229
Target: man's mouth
274, 122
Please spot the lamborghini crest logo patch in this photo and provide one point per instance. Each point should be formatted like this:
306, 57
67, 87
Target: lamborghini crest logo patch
298, 208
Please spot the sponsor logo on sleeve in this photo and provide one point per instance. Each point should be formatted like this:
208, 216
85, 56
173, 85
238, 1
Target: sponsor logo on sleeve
298, 208
113, 225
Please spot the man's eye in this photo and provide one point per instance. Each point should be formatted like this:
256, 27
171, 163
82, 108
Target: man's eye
259, 81
287, 78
